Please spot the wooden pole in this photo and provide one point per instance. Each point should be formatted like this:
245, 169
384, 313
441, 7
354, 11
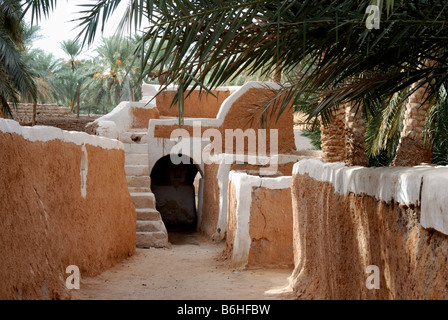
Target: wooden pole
78, 92
33, 121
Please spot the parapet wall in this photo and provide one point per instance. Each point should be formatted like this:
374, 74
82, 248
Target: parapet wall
64, 201
213, 221
50, 115
259, 225
196, 105
235, 117
348, 219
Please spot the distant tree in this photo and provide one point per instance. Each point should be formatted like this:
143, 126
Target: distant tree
16, 78
113, 68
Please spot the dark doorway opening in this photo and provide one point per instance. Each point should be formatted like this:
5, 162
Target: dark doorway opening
174, 190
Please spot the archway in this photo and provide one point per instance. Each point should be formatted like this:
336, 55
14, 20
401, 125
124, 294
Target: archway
173, 186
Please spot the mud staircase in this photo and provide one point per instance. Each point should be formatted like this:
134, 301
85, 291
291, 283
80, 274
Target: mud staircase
151, 231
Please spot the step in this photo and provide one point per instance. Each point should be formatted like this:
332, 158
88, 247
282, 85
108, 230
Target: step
147, 214
139, 189
157, 239
140, 148
138, 181
143, 200
138, 130
136, 170
134, 137
136, 159
150, 226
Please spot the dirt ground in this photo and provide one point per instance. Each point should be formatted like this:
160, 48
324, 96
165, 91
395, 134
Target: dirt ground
192, 269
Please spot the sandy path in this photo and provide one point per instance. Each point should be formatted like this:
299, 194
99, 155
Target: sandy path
190, 270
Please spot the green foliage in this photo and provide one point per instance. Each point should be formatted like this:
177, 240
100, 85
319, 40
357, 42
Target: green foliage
324, 46
314, 134
112, 74
436, 129
384, 125
212, 41
102, 80
16, 79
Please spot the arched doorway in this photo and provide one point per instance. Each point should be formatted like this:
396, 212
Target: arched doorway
173, 186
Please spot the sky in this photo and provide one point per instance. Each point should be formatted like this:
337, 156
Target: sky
57, 27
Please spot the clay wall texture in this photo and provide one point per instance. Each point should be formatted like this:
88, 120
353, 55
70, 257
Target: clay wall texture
70, 124
238, 118
141, 117
271, 228
337, 235
259, 222
213, 178
210, 206
45, 222
51, 115
196, 105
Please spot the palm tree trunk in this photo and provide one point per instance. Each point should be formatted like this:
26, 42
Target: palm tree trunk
333, 137
412, 150
78, 93
33, 120
117, 92
355, 143
343, 139
278, 74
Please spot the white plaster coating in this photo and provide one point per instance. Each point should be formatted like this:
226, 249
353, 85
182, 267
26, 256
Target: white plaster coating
283, 182
121, 115
149, 91
255, 160
243, 192
244, 183
423, 186
108, 129
224, 161
302, 142
434, 208
200, 199
222, 178
45, 134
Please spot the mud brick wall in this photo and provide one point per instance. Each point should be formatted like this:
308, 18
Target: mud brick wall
259, 225
63, 201
349, 218
69, 124
51, 115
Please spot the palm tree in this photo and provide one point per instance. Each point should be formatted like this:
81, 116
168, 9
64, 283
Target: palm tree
16, 79
37, 60
436, 129
333, 133
207, 36
113, 66
43, 65
72, 49
211, 41
412, 149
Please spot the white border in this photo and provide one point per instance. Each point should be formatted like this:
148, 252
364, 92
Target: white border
46, 133
423, 186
